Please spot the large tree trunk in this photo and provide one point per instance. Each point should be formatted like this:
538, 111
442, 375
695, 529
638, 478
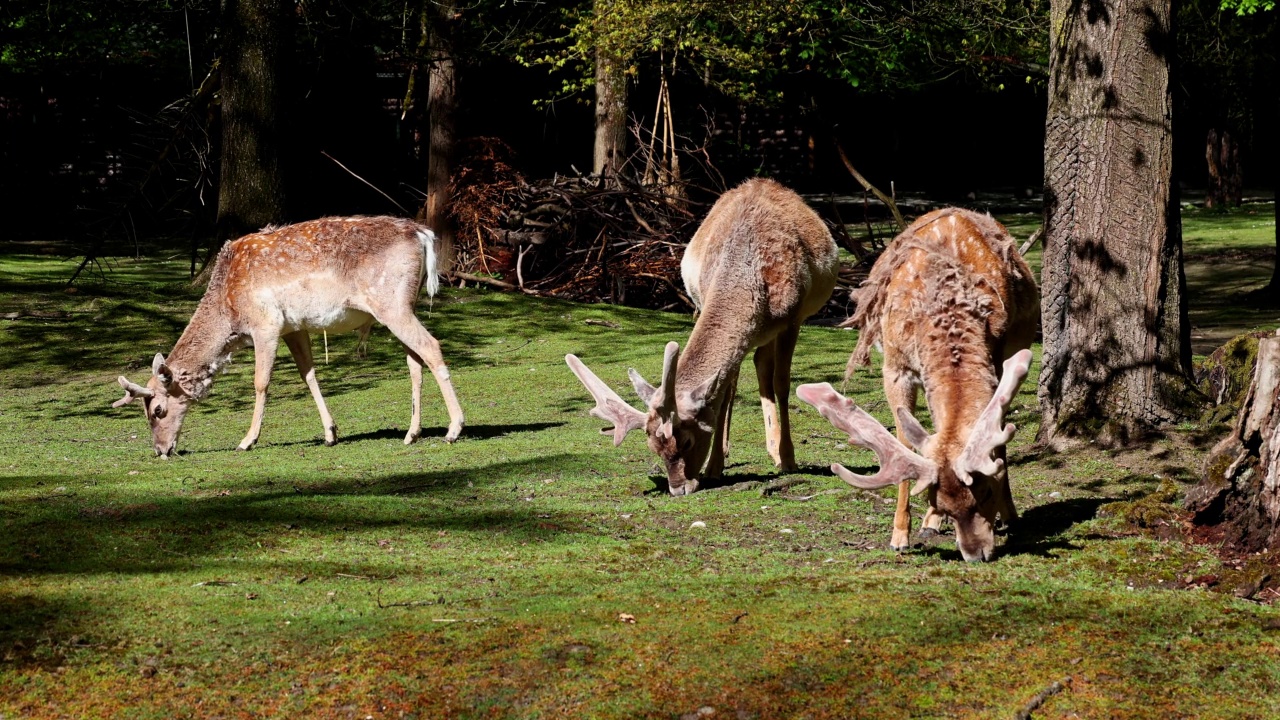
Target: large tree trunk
611, 115
1241, 488
442, 100
1117, 346
257, 37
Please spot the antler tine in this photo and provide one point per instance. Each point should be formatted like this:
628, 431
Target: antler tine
990, 433
897, 462
670, 360
610, 407
132, 391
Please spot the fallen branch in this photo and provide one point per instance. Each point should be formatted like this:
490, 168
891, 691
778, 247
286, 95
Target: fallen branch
888, 201
1035, 702
1031, 240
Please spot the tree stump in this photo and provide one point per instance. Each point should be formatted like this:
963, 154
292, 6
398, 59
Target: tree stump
1241, 488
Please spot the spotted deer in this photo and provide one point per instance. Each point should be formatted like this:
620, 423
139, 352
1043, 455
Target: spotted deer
947, 302
332, 274
760, 263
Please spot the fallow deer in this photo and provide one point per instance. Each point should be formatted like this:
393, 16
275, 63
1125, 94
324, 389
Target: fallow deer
948, 300
331, 274
761, 262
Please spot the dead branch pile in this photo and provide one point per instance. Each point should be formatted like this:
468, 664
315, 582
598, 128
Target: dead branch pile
582, 238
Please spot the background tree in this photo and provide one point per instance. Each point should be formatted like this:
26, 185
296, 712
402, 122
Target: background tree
257, 43
1116, 338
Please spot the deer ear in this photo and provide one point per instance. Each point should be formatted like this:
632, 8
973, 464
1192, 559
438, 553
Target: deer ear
642, 386
161, 369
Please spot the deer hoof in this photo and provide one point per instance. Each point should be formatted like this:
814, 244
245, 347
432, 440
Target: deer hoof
454, 432
900, 541
244, 446
331, 436
411, 437
927, 534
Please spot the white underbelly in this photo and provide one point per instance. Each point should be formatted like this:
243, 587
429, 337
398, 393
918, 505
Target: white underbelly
331, 319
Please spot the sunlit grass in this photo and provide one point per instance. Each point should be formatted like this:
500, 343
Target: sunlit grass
489, 578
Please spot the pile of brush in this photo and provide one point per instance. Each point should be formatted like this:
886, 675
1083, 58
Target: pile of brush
585, 238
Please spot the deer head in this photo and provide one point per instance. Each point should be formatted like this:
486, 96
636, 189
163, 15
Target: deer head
962, 479
164, 402
679, 423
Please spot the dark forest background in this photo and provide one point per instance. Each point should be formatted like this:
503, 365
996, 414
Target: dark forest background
97, 121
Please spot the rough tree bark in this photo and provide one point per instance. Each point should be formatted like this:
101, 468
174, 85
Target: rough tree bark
257, 35
1241, 488
442, 105
611, 110
1117, 345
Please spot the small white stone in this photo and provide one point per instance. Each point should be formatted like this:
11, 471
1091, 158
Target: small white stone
698, 524
1055, 494
786, 531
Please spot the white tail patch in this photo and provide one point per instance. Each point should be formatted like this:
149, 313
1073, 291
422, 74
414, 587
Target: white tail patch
428, 240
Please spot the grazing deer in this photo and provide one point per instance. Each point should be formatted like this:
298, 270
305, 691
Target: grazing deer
330, 274
948, 300
760, 263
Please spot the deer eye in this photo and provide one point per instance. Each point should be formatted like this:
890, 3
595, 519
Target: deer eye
158, 411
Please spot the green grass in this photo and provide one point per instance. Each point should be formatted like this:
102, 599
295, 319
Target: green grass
487, 578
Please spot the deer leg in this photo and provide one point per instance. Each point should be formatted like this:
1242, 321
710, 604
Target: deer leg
264, 357
900, 392
765, 360
784, 348
300, 347
423, 349
720, 443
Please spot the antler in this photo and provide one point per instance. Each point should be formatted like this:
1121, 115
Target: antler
897, 462
132, 391
989, 433
609, 406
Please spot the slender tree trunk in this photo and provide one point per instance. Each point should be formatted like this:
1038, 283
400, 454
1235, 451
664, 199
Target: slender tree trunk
1222, 156
257, 37
611, 113
442, 101
1116, 340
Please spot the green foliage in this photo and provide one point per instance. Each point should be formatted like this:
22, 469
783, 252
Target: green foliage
42, 35
754, 50
1248, 7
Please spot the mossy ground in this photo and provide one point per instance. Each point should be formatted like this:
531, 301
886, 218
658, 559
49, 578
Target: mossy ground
488, 578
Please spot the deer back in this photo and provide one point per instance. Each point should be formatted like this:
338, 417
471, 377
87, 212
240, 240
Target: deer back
761, 260
951, 283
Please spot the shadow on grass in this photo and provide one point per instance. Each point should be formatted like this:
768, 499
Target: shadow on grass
1040, 529
60, 534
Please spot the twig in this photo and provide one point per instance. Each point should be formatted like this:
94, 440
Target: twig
366, 182
1035, 702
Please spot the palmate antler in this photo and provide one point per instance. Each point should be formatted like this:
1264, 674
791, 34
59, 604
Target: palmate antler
132, 391
990, 433
897, 462
610, 407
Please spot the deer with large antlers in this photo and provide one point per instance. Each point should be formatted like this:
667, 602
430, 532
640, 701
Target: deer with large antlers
760, 263
332, 274
948, 300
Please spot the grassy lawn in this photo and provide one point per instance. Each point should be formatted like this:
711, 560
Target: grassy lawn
499, 576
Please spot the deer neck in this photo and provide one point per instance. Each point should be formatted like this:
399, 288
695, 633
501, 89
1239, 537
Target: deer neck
205, 347
957, 393
716, 347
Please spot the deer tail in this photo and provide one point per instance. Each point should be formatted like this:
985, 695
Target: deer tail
429, 271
